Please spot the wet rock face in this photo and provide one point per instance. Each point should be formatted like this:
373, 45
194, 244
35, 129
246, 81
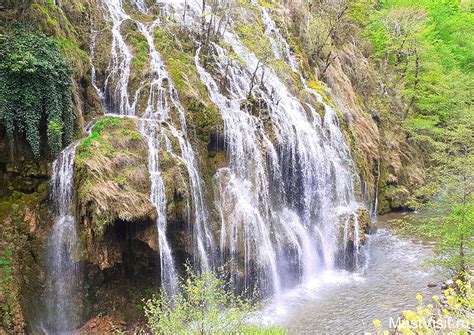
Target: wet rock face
127, 272
19, 171
24, 228
353, 232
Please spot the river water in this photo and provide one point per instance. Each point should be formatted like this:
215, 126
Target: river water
339, 302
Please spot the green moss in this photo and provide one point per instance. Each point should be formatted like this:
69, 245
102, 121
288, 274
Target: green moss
103, 126
7, 291
394, 197
111, 177
71, 47
202, 115
253, 36
140, 50
318, 87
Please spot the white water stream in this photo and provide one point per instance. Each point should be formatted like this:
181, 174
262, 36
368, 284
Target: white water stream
162, 122
63, 271
341, 302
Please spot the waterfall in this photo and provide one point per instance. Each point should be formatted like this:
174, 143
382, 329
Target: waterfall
63, 270
290, 179
286, 200
162, 121
376, 195
280, 47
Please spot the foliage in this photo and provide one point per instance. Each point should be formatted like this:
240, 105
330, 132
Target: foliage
204, 305
427, 45
35, 88
425, 48
449, 217
107, 124
452, 312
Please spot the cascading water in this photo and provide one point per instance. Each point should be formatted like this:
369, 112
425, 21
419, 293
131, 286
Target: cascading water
286, 198
280, 47
281, 50
162, 121
290, 179
63, 270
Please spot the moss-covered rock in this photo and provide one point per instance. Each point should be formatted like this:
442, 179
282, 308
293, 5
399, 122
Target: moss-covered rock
393, 197
23, 217
111, 179
202, 116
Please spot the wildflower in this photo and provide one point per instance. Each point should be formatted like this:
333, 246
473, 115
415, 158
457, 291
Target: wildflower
445, 312
419, 297
430, 306
409, 314
459, 282
435, 298
377, 323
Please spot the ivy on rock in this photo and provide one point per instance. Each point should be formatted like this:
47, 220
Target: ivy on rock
35, 90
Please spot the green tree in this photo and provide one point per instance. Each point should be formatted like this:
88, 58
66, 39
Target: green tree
425, 49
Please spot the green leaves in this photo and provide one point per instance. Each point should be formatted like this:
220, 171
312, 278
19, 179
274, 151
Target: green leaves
35, 89
431, 59
204, 305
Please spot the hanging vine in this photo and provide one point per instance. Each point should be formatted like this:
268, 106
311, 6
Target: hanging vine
35, 90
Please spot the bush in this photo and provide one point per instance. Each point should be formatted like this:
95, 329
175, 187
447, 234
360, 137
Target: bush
35, 89
204, 305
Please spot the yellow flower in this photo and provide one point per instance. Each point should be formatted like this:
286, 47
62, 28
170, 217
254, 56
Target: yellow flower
386, 332
459, 282
435, 298
377, 323
445, 312
430, 306
409, 314
419, 297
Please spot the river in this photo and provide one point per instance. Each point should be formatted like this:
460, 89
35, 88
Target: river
340, 302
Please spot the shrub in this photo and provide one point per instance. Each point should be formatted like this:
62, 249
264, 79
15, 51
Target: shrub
35, 88
204, 305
